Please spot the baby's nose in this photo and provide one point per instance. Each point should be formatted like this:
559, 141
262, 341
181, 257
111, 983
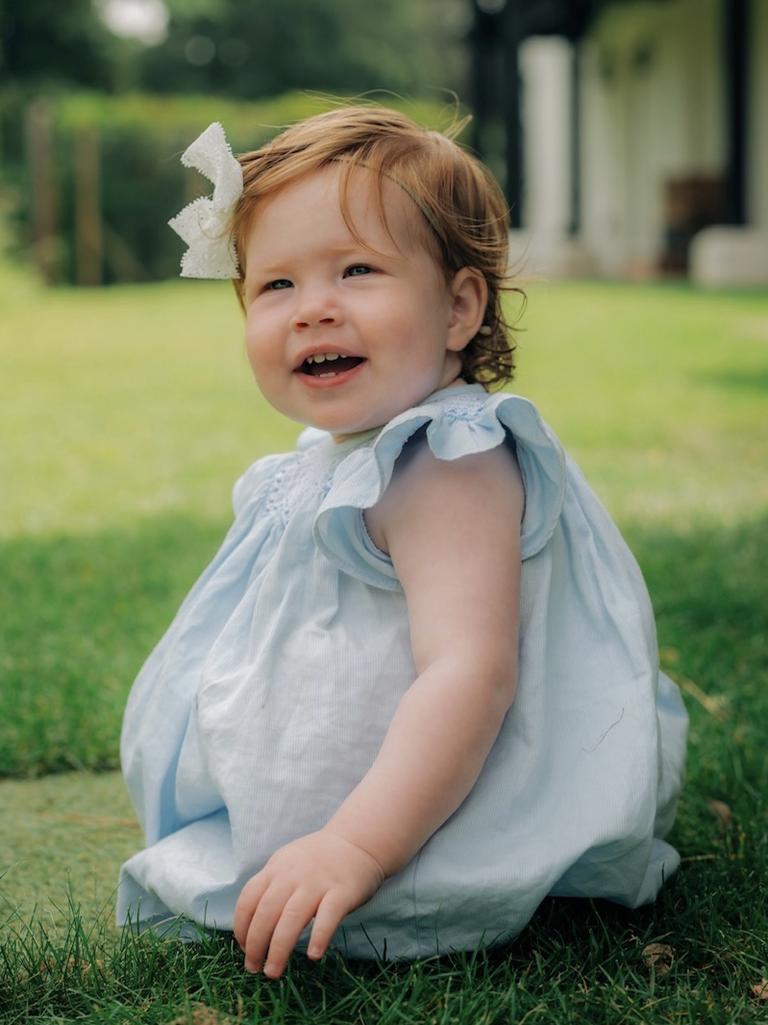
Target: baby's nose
316, 308
307, 320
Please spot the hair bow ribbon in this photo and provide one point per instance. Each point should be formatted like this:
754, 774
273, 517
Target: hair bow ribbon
204, 224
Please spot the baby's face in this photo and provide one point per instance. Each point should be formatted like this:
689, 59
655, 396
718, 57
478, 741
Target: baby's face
381, 322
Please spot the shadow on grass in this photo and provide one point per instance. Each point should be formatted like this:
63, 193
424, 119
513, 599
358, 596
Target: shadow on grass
710, 595
80, 615
735, 380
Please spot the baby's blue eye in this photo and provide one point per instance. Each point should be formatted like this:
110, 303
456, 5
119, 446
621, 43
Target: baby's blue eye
278, 284
357, 270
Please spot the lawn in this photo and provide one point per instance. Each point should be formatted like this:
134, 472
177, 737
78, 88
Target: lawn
126, 415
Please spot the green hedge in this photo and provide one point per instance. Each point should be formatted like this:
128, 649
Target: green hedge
141, 138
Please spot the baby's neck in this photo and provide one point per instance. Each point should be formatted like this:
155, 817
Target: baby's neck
359, 436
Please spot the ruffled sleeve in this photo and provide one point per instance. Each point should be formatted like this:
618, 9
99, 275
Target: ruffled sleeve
455, 426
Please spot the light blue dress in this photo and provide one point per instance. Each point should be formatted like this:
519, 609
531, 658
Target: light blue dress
268, 698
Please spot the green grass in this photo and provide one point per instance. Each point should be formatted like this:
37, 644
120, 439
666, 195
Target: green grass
126, 415
577, 962
65, 830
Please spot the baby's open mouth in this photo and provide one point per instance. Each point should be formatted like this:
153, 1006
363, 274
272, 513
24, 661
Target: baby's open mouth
328, 364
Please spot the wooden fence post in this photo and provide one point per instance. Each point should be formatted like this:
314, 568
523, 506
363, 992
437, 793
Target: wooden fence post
88, 228
38, 132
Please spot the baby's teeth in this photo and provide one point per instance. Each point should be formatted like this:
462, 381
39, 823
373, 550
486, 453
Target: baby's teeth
321, 357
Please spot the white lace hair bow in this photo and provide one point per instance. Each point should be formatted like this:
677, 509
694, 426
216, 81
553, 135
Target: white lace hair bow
204, 223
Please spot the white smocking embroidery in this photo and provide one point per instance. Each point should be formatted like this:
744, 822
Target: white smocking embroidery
460, 409
303, 477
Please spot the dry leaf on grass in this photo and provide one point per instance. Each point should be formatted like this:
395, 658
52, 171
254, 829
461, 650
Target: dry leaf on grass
202, 1015
659, 956
715, 704
722, 812
670, 656
72, 964
760, 990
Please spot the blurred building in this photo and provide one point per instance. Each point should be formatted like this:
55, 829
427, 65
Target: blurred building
632, 134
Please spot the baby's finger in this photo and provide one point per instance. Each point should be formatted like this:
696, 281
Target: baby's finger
296, 913
263, 922
250, 895
328, 916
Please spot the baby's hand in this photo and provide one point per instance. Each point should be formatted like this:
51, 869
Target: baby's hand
320, 875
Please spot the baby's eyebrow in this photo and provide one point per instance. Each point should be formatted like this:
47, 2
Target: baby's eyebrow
262, 271
258, 270
354, 248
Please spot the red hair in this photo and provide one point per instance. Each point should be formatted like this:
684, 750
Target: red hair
465, 213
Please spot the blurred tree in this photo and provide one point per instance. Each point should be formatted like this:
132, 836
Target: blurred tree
240, 48
48, 43
247, 50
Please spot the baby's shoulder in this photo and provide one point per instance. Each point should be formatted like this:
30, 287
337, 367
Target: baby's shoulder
425, 488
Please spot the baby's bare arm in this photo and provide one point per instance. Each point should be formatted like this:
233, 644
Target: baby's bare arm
453, 532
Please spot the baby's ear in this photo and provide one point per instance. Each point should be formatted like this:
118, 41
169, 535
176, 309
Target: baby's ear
469, 293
